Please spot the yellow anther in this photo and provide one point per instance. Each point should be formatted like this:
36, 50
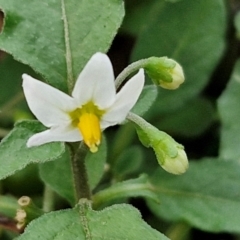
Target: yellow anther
89, 127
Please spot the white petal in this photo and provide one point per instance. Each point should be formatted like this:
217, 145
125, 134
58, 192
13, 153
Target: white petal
48, 104
57, 134
125, 100
96, 82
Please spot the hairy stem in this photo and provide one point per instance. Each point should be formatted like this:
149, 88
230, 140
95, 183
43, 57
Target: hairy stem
82, 188
129, 70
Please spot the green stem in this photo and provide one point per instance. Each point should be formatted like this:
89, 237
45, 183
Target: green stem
82, 188
48, 199
129, 70
119, 191
142, 123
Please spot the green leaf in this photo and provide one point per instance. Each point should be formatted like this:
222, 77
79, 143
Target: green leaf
128, 163
11, 81
58, 174
196, 41
25, 181
136, 12
146, 99
206, 196
95, 163
237, 24
117, 222
34, 33
191, 120
14, 154
12, 104
139, 187
228, 105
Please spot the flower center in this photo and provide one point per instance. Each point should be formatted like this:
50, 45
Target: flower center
87, 120
89, 127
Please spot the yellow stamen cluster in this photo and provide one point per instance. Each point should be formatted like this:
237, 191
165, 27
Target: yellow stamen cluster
87, 119
89, 126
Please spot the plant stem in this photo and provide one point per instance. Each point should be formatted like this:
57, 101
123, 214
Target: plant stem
48, 199
82, 188
121, 191
129, 70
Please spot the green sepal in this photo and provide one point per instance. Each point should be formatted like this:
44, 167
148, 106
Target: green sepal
160, 69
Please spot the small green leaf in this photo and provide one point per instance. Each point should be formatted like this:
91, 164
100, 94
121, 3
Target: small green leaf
202, 197
34, 33
228, 105
117, 222
58, 174
139, 187
146, 99
14, 154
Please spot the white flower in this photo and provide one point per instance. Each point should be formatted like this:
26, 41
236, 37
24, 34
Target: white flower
93, 106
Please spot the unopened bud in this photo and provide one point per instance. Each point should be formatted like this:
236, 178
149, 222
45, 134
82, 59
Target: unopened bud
165, 72
170, 154
176, 165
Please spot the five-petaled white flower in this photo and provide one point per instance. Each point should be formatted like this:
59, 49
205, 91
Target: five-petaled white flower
93, 106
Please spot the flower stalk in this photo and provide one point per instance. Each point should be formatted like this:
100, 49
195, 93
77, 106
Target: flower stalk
133, 67
78, 155
163, 71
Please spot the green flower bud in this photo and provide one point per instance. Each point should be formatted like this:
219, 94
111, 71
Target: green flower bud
178, 164
165, 72
170, 154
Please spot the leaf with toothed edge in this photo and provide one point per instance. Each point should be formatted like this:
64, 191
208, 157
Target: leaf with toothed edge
116, 222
